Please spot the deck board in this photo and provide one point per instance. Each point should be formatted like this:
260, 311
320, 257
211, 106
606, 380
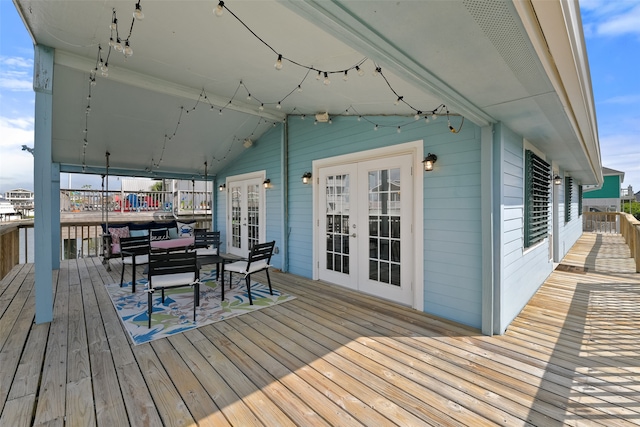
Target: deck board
330, 357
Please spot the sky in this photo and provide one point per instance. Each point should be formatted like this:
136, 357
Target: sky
611, 30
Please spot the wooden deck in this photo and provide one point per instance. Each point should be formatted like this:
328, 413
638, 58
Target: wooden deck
330, 357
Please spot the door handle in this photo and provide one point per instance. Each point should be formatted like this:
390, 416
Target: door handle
353, 235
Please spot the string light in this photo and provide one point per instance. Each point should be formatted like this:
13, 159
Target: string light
346, 76
360, 71
137, 14
219, 9
278, 64
327, 82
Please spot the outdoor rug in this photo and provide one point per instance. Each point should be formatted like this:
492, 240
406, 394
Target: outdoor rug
176, 314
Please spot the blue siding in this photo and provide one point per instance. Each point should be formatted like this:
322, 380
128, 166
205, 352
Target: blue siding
522, 271
264, 154
569, 231
452, 232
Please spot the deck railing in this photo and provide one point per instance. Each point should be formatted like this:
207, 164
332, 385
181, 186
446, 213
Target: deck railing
630, 230
600, 222
180, 202
9, 247
77, 240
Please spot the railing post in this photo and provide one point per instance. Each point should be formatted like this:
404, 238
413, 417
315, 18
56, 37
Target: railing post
636, 233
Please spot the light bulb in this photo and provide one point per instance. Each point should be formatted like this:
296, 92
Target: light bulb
89, 97
399, 130
426, 119
261, 108
118, 45
299, 88
375, 127
114, 25
398, 100
111, 42
327, 82
360, 71
105, 74
278, 64
302, 117
127, 49
220, 112
434, 116
315, 122
417, 116
279, 106
376, 71
137, 14
346, 76
359, 118
93, 81
219, 9
248, 97
85, 130
319, 75
104, 67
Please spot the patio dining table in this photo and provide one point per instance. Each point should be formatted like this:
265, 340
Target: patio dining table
172, 244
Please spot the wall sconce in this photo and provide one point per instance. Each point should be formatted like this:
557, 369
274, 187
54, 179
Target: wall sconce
306, 178
557, 180
222, 187
429, 161
267, 183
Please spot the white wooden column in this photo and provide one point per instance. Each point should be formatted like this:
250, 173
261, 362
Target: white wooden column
43, 187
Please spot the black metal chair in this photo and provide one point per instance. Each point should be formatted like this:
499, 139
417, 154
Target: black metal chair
134, 251
207, 246
173, 270
258, 260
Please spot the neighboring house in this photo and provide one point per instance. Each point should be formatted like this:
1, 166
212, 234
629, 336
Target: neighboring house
608, 197
22, 200
637, 195
494, 95
6, 209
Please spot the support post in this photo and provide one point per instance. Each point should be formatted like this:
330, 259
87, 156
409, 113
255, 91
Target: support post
43, 187
56, 238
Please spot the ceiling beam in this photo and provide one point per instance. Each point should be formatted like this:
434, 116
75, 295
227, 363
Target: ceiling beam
132, 78
338, 20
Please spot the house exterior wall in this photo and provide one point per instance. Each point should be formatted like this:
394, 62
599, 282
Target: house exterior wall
451, 228
569, 232
265, 154
610, 189
520, 271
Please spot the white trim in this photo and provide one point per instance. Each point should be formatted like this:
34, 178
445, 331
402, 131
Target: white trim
415, 148
259, 175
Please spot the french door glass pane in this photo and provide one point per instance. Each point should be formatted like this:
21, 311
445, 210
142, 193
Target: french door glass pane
384, 225
337, 220
236, 217
253, 214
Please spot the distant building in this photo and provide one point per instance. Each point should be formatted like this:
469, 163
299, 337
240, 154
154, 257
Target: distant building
608, 197
22, 201
6, 208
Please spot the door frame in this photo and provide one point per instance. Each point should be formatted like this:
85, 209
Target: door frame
259, 175
416, 149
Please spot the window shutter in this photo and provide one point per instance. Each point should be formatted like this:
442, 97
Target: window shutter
579, 200
536, 215
568, 187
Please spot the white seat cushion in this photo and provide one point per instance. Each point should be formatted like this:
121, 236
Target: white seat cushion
241, 266
206, 251
176, 279
140, 259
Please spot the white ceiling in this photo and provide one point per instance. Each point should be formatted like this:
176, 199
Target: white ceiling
472, 55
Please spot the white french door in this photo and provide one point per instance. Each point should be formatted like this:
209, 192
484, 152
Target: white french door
364, 228
245, 214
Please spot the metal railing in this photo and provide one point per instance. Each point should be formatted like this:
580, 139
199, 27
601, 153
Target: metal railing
180, 202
